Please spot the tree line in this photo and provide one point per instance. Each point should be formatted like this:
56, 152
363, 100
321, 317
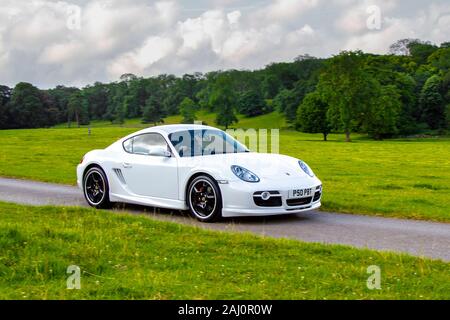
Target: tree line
401, 93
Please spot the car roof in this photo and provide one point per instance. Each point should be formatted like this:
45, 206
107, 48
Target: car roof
168, 129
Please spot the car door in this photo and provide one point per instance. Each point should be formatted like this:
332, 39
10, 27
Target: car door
147, 175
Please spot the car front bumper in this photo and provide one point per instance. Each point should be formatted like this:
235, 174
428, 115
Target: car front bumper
80, 170
239, 197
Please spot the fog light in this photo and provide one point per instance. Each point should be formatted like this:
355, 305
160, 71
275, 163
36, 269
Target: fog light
265, 196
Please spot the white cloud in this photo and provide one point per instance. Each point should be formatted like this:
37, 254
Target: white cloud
354, 18
301, 36
210, 27
3, 54
282, 10
153, 50
429, 24
233, 17
150, 37
242, 45
61, 52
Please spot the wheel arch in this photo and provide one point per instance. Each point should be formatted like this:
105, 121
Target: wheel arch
93, 165
195, 175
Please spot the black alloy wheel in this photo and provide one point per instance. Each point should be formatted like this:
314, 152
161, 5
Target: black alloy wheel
204, 199
96, 188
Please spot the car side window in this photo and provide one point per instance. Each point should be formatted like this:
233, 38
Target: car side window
144, 143
128, 145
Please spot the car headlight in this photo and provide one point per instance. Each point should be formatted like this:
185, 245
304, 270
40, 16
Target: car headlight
244, 174
306, 168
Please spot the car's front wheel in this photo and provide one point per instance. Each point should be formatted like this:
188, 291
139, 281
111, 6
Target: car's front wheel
96, 188
204, 199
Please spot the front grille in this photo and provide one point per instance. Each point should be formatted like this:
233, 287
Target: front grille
298, 202
259, 193
272, 202
317, 196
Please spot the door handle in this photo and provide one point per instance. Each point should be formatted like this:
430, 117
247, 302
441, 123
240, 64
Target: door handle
127, 165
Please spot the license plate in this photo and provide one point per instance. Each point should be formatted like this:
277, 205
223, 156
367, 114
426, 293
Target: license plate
301, 193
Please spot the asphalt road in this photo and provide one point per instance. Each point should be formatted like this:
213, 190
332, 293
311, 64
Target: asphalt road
419, 238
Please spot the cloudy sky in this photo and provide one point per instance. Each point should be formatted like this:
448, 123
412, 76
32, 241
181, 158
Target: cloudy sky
77, 42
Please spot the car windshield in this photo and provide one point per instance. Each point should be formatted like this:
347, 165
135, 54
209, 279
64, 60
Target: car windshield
194, 143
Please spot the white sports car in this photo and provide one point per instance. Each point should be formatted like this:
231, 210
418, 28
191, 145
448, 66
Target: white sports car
197, 168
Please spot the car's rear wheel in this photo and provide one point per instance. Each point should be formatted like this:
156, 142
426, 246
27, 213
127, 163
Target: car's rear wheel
96, 188
204, 199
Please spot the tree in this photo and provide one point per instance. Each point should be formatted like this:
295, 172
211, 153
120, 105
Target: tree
312, 115
223, 100
59, 97
3, 117
251, 103
287, 102
26, 108
188, 84
116, 96
305, 70
128, 77
270, 86
352, 84
285, 73
346, 88
440, 60
171, 93
96, 98
85, 118
432, 103
120, 113
401, 47
445, 87
390, 70
172, 100
136, 97
51, 108
75, 108
406, 88
203, 97
153, 112
5, 96
226, 117
447, 116
380, 119
187, 110
300, 90
420, 51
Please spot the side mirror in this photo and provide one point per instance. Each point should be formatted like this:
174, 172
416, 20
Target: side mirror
160, 152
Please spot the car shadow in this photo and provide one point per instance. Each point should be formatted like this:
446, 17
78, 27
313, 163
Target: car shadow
184, 216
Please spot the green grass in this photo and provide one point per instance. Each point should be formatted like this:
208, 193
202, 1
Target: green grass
51, 155
394, 178
133, 257
407, 178
271, 120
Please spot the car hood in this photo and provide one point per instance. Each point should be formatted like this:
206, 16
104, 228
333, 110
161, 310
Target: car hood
264, 165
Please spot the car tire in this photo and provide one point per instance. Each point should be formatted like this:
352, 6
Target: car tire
204, 199
96, 188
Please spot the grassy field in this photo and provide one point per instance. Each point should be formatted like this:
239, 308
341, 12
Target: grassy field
407, 178
272, 120
133, 257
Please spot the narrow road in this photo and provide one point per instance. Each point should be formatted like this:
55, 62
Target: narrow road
419, 238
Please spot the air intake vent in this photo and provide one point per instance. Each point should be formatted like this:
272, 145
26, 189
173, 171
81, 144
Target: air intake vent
299, 202
120, 176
